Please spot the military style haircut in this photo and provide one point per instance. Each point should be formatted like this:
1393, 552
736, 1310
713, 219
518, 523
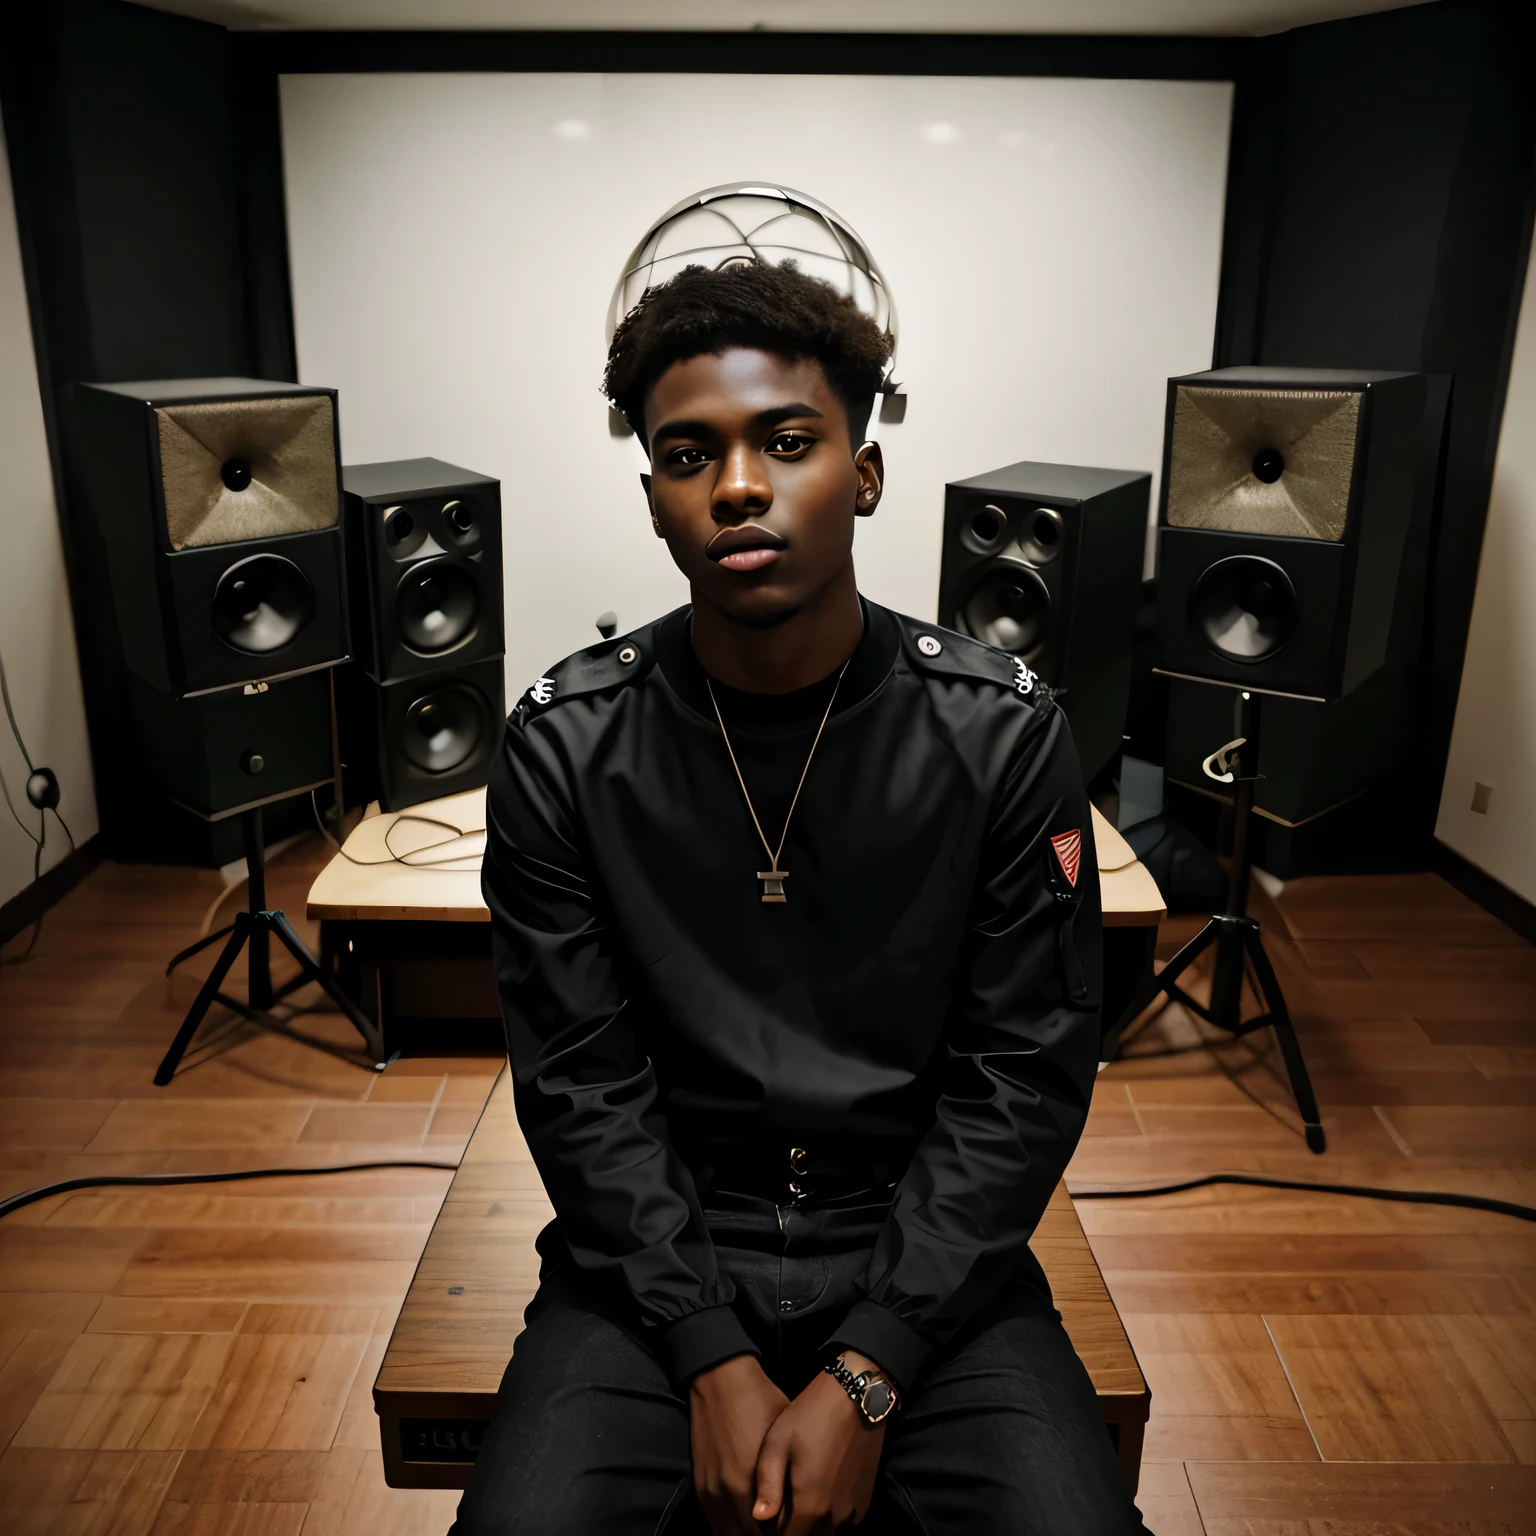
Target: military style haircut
771, 307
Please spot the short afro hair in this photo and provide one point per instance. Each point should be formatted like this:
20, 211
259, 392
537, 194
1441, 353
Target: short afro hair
772, 307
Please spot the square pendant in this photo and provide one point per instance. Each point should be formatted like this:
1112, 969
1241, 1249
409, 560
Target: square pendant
773, 885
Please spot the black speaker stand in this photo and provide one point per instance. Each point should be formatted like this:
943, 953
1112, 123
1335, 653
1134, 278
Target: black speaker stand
256, 927
1236, 939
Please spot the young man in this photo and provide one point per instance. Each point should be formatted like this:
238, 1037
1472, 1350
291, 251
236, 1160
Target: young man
796, 926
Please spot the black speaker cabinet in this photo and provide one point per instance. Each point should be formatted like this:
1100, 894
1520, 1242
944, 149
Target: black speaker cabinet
222, 752
421, 737
1287, 497
218, 502
1044, 560
424, 567
1316, 756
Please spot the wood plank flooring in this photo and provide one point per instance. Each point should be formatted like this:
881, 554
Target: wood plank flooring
1321, 1364
200, 1359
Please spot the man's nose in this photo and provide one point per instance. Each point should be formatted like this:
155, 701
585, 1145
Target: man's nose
742, 488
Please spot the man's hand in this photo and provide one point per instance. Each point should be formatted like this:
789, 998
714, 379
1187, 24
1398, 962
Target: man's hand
817, 1468
730, 1408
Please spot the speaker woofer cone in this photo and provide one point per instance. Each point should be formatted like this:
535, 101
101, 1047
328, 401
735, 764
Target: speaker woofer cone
1245, 608
1008, 606
437, 606
261, 604
444, 728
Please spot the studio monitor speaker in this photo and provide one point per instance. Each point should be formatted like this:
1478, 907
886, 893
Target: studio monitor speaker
1317, 756
424, 556
422, 709
1044, 560
218, 502
1287, 498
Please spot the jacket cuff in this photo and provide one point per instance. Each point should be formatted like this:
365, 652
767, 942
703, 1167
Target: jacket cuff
702, 1339
896, 1347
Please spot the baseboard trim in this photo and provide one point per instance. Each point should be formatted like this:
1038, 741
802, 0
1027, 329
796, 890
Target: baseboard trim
29, 904
1491, 895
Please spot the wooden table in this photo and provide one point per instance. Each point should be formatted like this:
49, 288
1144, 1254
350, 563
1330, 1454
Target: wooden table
411, 941
437, 1387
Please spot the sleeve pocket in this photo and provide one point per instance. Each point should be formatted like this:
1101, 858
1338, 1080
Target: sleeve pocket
1071, 962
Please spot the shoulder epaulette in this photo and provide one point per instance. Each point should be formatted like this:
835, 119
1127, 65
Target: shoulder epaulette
944, 653
610, 664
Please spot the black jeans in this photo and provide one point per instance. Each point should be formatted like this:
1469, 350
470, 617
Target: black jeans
1002, 1435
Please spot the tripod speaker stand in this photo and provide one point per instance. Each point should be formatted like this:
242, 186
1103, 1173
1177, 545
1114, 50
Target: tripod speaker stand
255, 928
1236, 938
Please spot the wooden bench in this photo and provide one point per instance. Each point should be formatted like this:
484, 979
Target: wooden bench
437, 1387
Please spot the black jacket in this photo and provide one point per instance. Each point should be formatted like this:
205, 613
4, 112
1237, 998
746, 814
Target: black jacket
925, 1001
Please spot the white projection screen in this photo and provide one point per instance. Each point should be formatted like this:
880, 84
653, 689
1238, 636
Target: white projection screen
1052, 247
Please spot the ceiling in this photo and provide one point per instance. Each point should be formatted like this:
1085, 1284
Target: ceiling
1215, 18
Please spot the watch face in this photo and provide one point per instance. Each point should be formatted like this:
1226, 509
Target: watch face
879, 1399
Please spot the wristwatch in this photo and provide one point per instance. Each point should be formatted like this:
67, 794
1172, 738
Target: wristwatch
874, 1396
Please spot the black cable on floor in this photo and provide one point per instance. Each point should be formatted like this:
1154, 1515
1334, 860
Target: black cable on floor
1118, 1192
29, 1196
1364, 1191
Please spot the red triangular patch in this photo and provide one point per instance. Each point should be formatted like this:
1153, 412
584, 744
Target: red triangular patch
1069, 853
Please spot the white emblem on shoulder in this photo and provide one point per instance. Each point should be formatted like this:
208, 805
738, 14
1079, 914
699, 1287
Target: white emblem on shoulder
1024, 679
542, 691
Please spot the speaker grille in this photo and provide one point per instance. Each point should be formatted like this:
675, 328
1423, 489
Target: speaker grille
247, 469
1268, 461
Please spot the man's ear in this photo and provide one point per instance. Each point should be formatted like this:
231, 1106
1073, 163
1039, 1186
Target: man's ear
650, 501
871, 467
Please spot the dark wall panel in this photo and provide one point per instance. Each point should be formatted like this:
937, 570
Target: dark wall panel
1380, 217
126, 135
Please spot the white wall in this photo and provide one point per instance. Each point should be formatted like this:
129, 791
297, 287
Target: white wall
1494, 741
37, 635
1052, 246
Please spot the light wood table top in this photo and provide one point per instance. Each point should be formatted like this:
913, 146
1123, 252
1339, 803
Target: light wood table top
479, 1270
441, 843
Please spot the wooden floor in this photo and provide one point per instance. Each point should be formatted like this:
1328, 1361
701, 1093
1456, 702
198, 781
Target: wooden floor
1322, 1364
199, 1359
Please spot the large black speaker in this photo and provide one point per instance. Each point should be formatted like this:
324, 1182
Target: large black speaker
422, 709
1044, 560
1287, 497
218, 502
424, 560
1315, 755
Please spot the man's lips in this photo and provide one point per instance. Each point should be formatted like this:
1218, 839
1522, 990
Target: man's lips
748, 548
749, 559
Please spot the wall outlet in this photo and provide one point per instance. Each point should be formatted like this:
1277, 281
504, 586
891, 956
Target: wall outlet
1481, 795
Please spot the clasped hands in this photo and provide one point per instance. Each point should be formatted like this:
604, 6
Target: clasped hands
763, 1463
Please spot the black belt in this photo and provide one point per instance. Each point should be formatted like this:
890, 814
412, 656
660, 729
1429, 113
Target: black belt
787, 1173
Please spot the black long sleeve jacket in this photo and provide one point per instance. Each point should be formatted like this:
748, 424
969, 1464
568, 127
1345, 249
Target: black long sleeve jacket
926, 999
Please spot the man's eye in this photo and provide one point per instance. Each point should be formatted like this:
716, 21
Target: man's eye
789, 442
688, 458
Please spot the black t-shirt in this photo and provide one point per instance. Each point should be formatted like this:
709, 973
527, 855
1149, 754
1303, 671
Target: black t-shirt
771, 733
